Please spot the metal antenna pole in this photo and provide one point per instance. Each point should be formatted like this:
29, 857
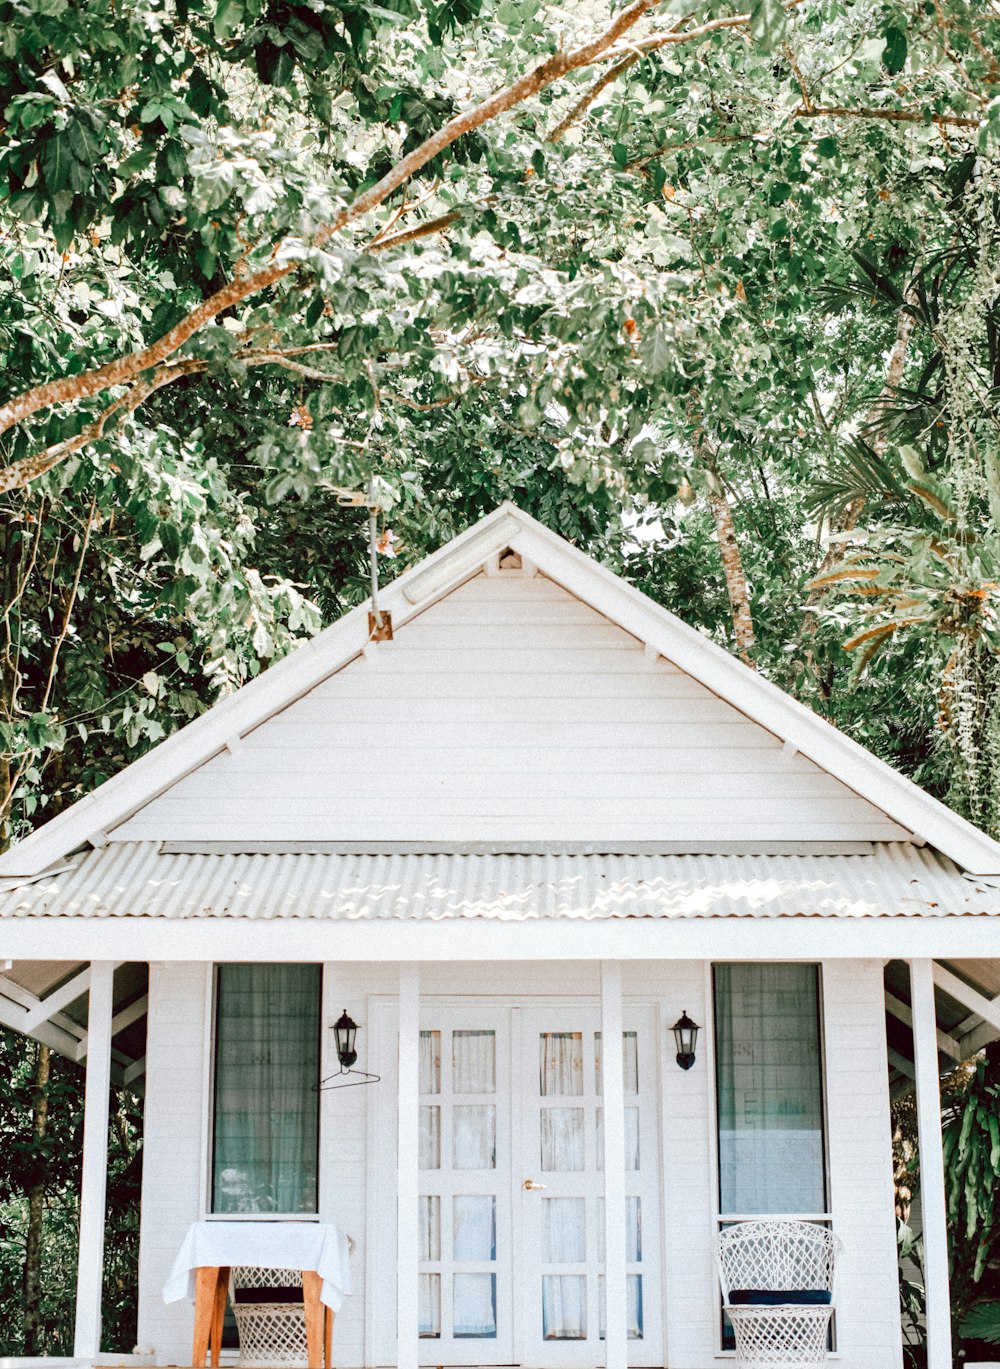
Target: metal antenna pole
373, 551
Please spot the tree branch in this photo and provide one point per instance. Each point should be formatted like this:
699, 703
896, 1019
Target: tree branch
587, 99
69, 389
896, 116
21, 473
421, 230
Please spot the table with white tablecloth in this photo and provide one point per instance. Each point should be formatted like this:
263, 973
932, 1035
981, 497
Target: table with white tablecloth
318, 1250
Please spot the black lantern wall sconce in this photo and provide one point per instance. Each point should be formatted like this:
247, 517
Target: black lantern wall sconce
686, 1037
345, 1031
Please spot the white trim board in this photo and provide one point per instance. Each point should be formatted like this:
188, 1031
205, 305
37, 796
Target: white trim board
95, 816
394, 940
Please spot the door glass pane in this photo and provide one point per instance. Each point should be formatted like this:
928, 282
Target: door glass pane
474, 1067
562, 1139
630, 1061
633, 1231
564, 1230
429, 1148
475, 1305
430, 1062
474, 1136
769, 1089
631, 1138
429, 1306
633, 1310
561, 1064
429, 1218
564, 1307
474, 1222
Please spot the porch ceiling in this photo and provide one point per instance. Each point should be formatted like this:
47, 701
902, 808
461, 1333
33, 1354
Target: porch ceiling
48, 1000
961, 1032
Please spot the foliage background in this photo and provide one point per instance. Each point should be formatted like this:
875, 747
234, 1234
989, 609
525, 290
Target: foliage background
719, 304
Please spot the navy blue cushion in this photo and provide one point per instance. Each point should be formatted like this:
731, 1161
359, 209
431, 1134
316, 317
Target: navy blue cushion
769, 1297
245, 1296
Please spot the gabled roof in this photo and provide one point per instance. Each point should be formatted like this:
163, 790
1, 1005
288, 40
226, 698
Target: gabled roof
92, 818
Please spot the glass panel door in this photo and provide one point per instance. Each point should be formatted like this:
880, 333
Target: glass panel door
561, 1135
465, 1270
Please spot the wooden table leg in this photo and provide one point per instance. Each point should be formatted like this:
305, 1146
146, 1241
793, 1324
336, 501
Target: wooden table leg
219, 1313
313, 1308
328, 1337
206, 1282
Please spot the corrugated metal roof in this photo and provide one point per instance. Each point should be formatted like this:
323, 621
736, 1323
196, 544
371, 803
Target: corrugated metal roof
134, 879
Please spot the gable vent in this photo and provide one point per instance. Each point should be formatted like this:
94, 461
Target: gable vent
509, 559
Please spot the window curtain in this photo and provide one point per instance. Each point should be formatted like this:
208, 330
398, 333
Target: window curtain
770, 1092
266, 1106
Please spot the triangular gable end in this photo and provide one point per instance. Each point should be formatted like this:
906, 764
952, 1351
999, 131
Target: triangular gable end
510, 712
857, 786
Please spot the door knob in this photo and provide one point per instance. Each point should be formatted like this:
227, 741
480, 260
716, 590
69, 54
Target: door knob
530, 1185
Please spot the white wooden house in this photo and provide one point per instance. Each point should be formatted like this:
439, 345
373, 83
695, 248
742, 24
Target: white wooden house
544, 814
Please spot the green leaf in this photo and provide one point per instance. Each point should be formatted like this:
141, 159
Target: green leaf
768, 24
227, 19
827, 147
620, 154
894, 56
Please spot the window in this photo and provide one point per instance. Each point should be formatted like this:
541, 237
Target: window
769, 1090
266, 1132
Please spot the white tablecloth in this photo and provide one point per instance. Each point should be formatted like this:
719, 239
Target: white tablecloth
265, 1245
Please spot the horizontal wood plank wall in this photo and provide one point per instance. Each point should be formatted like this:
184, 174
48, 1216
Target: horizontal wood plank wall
860, 1150
172, 1171
509, 711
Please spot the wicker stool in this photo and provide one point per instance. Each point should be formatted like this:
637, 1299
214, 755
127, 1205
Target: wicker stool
786, 1334
272, 1332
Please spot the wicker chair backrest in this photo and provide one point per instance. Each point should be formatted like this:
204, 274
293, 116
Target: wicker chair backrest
776, 1255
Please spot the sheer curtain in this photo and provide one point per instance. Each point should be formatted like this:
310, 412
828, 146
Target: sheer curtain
770, 1092
266, 1107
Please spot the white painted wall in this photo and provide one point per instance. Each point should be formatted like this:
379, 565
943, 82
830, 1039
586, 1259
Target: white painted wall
177, 1043
860, 1153
858, 1139
509, 710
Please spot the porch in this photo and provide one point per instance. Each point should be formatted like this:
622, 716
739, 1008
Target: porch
373, 1180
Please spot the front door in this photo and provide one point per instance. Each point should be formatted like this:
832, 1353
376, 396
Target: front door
510, 1207
561, 1197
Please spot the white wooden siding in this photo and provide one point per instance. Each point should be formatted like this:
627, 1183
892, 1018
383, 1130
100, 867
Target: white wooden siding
509, 710
173, 1169
859, 1144
857, 1102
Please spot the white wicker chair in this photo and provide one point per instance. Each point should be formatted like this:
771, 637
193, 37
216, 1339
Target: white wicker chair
272, 1334
778, 1257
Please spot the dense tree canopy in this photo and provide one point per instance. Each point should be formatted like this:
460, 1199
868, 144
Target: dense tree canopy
680, 281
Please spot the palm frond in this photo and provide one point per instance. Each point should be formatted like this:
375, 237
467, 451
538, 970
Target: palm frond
855, 471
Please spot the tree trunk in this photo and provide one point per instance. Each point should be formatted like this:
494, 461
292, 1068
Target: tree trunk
732, 563
36, 1208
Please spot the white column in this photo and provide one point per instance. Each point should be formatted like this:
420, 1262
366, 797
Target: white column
407, 1162
932, 1199
615, 1283
93, 1181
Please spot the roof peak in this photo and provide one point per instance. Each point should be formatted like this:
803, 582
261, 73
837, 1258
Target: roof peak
664, 634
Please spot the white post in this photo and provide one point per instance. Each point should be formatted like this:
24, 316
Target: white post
407, 1161
93, 1181
932, 1199
613, 1079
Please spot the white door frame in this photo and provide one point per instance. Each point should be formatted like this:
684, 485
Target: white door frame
380, 1270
